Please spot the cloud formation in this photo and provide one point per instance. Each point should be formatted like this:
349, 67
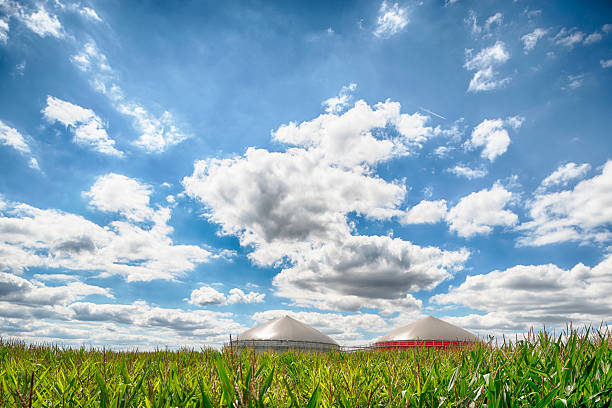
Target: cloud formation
337, 104
492, 136
43, 24
425, 212
582, 214
33, 237
88, 128
118, 193
157, 133
291, 209
391, 20
485, 63
531, 39
37, 312
11, 137
564, 174
207, 295
525, 296
467, 172
479, 212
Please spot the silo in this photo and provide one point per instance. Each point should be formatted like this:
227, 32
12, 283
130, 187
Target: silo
285, 334
427, 332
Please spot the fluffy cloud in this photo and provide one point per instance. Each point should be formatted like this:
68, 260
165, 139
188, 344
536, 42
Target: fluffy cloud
157, 133
207, 295
239, 296
338, 103
493, 137
35, 312
531, 39
33, 237
582, 214
11, 137
291, 208
468, 172
484, 64
531, 295
17, 290
391, 20
564, 174
425, 212
118, 193
355, 136
606, 63
366, 272
89, 130
43, 24
479, 212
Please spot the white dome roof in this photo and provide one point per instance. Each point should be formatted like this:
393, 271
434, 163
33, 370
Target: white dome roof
286, 328
429, 328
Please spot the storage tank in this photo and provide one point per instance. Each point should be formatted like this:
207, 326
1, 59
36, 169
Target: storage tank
427, 332
285, 334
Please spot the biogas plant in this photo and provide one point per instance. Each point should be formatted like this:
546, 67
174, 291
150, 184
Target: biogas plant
287, 333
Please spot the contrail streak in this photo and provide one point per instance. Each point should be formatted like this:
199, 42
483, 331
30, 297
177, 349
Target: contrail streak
432, 113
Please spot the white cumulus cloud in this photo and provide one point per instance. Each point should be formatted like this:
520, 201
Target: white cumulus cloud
291, 209
49, 238
484, 64
479, 212
391, 20
425, 212
566, 173
525, 296
338, 103
88, 128
582, 214
118, 193
492, 136
207, 295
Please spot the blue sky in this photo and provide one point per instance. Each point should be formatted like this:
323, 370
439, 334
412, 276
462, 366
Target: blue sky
172, 174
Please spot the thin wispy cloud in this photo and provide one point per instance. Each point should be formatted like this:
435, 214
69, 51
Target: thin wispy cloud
391, 19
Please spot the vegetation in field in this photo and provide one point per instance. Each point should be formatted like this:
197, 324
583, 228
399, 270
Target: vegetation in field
571, 370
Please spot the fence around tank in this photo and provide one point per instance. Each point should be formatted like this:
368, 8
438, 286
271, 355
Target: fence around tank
261, 346
439, 344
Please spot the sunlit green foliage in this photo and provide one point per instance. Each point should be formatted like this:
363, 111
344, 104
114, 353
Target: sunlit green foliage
572, 370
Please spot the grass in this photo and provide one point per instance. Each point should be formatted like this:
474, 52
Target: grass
572, 370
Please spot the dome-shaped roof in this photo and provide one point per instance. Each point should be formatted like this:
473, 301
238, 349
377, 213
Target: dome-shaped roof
286, 328
429, 328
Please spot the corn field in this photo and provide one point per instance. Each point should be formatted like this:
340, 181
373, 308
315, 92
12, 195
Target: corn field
572, 370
